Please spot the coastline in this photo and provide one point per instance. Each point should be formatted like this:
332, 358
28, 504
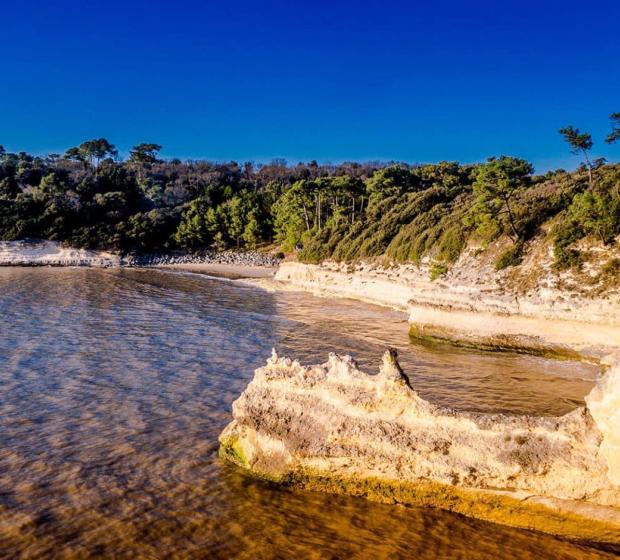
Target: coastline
383, 465
472, 310
463, 310
52, 253
232, 264
471, 306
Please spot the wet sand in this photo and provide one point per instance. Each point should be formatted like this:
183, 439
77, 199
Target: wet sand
233, 271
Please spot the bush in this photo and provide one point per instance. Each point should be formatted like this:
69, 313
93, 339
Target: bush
611, 267
510, 257
451, 244
565, 234
437, 270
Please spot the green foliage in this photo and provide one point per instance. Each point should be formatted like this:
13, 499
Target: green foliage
390, 182
614, 135
578, 141
346, 212
436, 220
292, 215
145, 153
591, 212
565, 235
197, 224
150, 231
497, 185
438, 270
451, 244
92, 151
510, 257
320, 245
595, 213
251, 232
226, 225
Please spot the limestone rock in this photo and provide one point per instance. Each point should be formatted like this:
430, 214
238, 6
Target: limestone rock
472, 307
333, 427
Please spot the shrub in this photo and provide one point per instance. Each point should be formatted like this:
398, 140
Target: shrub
437, 270
510, 257
451, 244
611, 267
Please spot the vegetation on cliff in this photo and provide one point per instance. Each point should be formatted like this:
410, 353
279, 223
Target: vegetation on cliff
89, 198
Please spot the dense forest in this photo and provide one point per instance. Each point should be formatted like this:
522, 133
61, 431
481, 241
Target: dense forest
88, 197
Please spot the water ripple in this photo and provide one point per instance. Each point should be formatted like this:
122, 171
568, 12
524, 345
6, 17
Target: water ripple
116, 384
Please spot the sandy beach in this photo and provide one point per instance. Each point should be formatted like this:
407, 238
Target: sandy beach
232, 271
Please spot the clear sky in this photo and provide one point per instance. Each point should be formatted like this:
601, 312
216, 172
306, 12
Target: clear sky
327, 80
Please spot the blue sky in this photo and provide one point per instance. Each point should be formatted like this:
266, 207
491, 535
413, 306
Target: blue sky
411, 81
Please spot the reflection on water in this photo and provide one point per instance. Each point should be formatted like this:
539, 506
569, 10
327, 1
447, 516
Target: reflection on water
116, 384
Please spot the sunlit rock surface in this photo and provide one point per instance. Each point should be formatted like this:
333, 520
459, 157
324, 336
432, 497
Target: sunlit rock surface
52, 253
476, 305
332, 427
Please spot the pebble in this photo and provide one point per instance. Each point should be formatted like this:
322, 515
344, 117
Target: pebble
243, 258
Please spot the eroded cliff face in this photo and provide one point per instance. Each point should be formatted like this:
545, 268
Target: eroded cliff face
52, 253
477, 306
333, 427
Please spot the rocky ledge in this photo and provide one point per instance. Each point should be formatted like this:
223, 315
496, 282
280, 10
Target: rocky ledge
332, 427
473, 308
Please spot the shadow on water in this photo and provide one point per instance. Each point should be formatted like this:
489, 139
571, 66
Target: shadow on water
116, 385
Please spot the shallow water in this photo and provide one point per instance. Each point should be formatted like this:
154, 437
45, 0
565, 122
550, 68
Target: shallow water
116, 383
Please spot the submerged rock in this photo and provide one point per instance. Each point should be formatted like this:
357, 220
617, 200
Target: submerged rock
333, 427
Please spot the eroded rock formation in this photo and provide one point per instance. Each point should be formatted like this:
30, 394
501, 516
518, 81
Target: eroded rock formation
333, 427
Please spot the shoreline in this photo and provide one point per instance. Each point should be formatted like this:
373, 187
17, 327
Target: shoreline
217, 270
240, 264
471, 307
462, 312
468, 312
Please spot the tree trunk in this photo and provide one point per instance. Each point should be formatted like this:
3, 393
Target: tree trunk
589, 166
511, 220
306, 217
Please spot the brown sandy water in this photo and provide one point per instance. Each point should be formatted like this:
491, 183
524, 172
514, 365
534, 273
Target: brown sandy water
115, 384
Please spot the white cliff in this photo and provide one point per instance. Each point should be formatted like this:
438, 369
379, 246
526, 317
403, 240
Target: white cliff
52, 253
333, 427
475, 305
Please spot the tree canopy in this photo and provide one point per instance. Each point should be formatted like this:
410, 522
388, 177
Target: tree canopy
145, 153
90, 198
614, 135
92, 151
579, 142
